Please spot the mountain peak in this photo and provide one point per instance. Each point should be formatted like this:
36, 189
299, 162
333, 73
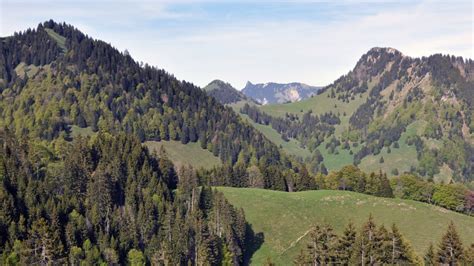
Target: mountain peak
271, 92
224, 92
389, 50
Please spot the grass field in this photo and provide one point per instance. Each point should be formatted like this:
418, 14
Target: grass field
190, 153
284, 217
58, 38
402, 158
292, 147
320, 104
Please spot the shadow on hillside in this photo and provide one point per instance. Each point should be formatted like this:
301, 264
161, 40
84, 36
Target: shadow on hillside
253, 242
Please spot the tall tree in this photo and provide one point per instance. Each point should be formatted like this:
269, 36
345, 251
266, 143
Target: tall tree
430, 256
401, 251
321, 247
450, 249
345, 245
366, 244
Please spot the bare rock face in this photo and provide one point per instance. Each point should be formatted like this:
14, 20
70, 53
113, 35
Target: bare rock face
271, 93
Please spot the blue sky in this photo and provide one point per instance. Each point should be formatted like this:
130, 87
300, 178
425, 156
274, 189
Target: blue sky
282, 41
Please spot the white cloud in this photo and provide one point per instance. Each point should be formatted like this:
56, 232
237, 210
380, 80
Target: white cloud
311, 51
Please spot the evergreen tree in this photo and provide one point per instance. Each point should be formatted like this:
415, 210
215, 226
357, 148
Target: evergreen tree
401, 251
345, 245
450, 249
321, 247
365, 251
430, 256
43, 246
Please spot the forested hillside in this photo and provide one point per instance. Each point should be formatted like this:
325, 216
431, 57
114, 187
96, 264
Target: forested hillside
225, 93
85, 177
55, 78
392, 112
108, 200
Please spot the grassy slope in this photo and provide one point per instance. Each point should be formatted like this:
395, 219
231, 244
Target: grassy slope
319, 104
292, 147
190, 153
58, 38
401, 158
284, 217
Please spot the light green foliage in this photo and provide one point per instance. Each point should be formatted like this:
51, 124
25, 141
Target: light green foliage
450, 196
285, 218
136, 258
401, 158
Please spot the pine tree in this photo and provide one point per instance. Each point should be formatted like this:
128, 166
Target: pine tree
345, 245
450, 249
306, 181
366, 246
41, 247
401, 251
321, 245
383, 249
430, 256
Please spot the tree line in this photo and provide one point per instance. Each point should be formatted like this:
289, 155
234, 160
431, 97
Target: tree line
107, 200
453, 196
375, 245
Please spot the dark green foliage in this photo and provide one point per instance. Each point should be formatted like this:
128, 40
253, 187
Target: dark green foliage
224, 92
107, 200
311, 130
345, 244
450, 250
321, 246
430, 256
370, 246
94, 85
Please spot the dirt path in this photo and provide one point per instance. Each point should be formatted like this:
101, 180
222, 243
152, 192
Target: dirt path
293, 244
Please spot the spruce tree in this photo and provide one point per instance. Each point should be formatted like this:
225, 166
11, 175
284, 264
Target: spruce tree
366, 246
345, 245
401, 251
321, 246
430, 256
450, 249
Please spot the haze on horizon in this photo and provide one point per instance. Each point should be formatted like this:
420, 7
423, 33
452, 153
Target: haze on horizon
279, 41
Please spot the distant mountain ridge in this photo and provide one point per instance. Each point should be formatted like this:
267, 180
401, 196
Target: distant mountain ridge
271, 92
399, 114
225, 93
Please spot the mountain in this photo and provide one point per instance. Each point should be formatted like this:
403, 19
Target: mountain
55, 81
271, 93
85, 176
392, 113
76, 118
224, 93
